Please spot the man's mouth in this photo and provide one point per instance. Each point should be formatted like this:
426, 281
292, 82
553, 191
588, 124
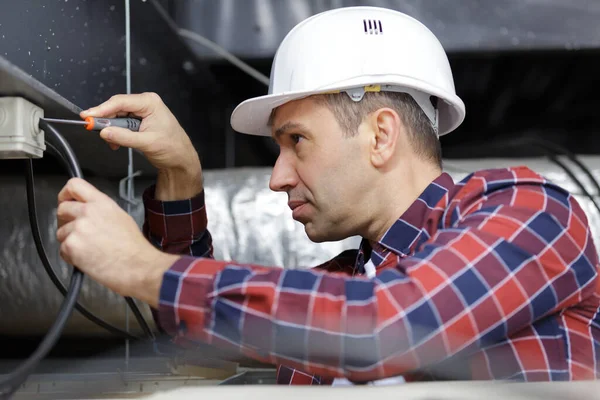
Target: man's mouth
295, 204
298, 209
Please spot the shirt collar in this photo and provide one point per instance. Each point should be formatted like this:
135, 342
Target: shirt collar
401, 237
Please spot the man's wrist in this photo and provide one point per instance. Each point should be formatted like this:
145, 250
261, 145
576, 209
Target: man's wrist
146, 283
178, 184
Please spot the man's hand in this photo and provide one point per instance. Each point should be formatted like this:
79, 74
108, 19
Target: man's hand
104, 242
162, 140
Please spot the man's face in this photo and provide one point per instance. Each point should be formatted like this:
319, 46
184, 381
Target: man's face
322, 170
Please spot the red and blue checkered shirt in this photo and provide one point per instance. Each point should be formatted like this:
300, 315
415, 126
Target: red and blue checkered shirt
494, 277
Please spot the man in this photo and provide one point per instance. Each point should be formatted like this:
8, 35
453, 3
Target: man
495, 276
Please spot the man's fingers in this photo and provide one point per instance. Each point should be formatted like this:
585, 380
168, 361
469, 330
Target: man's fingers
79, 190
68, 247
64, 231
127, 138
140, 105
69, 210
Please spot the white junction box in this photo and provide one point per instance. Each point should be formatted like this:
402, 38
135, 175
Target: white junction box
20, 135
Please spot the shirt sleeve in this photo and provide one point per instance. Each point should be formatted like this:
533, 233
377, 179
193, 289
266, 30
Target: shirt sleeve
499, 263
177, 227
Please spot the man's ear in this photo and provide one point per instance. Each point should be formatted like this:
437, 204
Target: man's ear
386, 130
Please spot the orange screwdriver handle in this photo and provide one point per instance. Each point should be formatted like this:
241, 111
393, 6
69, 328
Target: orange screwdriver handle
97, 124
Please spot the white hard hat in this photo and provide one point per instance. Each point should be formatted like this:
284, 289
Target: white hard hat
357, 49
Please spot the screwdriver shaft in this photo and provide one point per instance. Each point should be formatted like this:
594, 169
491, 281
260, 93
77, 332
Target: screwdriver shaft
65, 121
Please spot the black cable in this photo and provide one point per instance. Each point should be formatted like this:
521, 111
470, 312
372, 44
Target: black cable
12, 381
551, 150
54, 151
140, 318
58, 144
553, 157
57, 141
10, 384
37, 238
557, 149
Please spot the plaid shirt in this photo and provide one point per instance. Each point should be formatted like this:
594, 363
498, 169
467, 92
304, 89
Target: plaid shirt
494, 277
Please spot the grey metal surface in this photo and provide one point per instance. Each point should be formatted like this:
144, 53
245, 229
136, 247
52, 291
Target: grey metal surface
16, 82
251, 377
132, 384
254, 28
248, 222
110, 385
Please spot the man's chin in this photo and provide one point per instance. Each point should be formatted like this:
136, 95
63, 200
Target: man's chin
320, 235
313, 234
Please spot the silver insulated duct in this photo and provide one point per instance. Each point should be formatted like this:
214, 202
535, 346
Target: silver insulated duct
248, 221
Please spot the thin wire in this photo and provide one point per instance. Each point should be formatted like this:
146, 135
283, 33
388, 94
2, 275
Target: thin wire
225, 54
129, 155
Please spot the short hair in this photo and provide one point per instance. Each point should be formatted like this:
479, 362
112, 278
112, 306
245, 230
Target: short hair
350, 114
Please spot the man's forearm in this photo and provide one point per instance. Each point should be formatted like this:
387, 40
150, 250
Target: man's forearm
179, 184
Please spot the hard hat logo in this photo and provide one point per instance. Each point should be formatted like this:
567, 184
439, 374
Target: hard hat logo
336, 51
375, 27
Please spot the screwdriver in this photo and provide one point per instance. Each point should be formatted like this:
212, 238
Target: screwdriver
97, 124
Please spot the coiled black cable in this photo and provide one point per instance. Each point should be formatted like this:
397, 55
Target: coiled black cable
37, 238
48, 267
55, 142
11, 383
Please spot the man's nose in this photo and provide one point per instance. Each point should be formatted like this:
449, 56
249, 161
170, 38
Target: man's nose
284, 176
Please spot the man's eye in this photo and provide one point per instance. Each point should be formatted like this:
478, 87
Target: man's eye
296, 138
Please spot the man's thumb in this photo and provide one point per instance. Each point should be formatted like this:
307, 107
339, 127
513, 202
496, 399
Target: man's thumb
125, 137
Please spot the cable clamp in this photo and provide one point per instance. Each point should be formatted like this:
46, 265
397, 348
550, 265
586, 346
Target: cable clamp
123, 189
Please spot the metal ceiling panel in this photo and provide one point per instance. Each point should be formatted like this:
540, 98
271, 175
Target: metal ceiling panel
91, 151
254, 28
67, 55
